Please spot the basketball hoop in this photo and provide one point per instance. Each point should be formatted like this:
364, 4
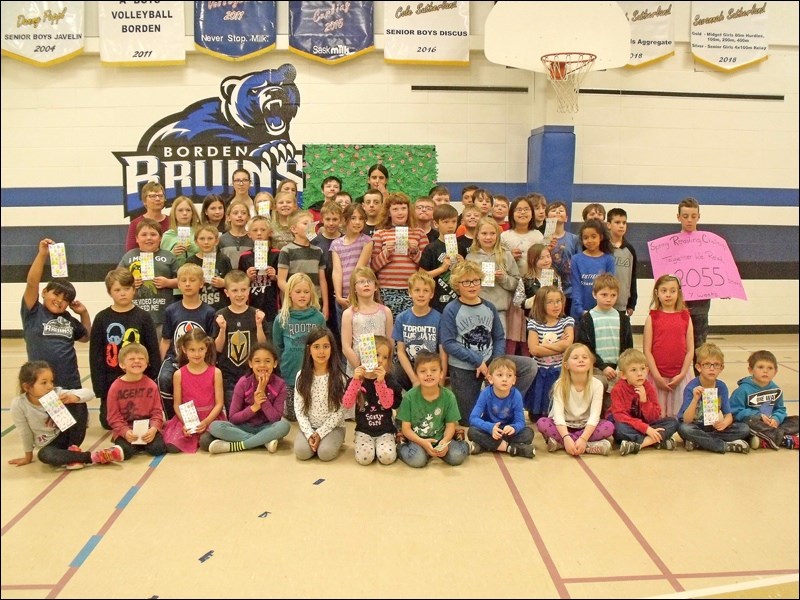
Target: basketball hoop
566, 71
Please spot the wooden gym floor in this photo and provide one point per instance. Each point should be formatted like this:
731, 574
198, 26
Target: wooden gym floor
255, 525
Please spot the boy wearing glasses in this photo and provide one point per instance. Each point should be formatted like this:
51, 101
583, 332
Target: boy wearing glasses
708, 422
423, 209
153, 200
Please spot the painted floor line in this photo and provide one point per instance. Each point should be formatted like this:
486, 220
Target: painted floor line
733, 587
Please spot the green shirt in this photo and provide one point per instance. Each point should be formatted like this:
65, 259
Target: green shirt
428, 418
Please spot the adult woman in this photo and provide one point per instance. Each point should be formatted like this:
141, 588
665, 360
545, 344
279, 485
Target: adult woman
378, 178
153, 200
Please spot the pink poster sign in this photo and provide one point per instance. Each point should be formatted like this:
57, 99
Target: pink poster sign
703, 263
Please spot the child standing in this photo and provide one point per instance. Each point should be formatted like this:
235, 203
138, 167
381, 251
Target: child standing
235, 241
688, 216
256, 414
119, 324
635, 410
183, 214
724, 434
365, 315
500, 205
198, 381
393, 268
497, 423
758, 402
429, 414
575, 422
331, 214
318, 397
181, 317
624, 260
353, 249
538, 259
468, 229
263, 282
595, 259
37, 430
487, 248
134, 397
563, 246
539, 211
372, 203
51, 332
550, 333
239, 328
423, 210
299, 315
668, 343
212, 212
374, 396
300, 256
285, 207
206, 238
435, 260
417, 329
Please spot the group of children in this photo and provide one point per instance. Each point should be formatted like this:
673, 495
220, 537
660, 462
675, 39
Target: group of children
437, 311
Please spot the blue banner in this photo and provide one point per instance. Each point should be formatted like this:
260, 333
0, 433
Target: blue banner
234, 30
331, 32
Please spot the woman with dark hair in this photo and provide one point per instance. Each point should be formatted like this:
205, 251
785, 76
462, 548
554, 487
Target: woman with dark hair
378, 178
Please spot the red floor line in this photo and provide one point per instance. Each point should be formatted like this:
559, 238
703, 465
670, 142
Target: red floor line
558, 581
44, 493
68, 575
614, 578
669, 576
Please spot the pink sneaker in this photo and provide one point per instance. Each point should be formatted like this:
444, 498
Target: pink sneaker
108, 455
74, 466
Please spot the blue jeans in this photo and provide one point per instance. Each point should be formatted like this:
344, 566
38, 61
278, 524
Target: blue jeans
623, 431
415, 456
487, 442
709, 438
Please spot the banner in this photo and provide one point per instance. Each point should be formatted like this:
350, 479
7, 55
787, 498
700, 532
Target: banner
703, 263
729, 35
436, 33
331, 32
42, 33
234, 30
146, 34
652, 31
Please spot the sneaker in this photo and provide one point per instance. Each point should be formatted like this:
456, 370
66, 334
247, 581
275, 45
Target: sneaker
553, 445
755, 442
459, 435
739, 446
74, 466
689, 445
668, 444
628, 447
602, 447
108, 455
399, 438
219, 447
474, 447
766, 440
792, 442
525, 450
272, 447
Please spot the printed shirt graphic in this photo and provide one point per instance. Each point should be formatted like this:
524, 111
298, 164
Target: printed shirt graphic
240, 335
52, 338
417, 333
428, 419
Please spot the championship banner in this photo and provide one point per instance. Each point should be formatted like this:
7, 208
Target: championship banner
703, 263
42, 33
141, 34
331, 32
234, 30
729, 35
652, 31
436, 33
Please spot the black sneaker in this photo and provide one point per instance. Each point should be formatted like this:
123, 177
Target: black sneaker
525, 450
764, 437
629, 447
474, 447
737, 446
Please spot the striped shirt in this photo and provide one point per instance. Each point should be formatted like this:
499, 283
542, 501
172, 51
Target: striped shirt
393, 271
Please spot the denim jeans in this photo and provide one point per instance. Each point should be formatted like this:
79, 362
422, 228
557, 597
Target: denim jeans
709, 438
623, 431
415, 456
487, 442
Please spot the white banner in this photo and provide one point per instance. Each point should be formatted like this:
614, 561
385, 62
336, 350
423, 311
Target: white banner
432, 33
729, 35
42, 33
652, 31
147, 34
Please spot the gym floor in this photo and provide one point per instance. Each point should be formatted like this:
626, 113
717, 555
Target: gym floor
256, 525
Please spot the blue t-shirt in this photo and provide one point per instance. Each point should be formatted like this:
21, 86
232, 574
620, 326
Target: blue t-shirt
52, 338
179, 320
417, 333
688, 391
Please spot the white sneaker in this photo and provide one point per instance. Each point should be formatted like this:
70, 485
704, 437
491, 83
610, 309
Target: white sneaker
601, 447
272, 447
553, 445
219, 447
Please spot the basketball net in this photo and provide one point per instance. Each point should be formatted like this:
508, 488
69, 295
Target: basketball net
566, 71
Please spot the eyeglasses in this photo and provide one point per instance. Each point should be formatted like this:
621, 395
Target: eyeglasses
364, 282
715, 366
425, 208
241, 181
154, 196
522, 209
470, 283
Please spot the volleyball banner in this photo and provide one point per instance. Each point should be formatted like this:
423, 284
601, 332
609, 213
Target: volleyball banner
331, 32
143, 34
42, 33
234, 30
729, 35
652, 31
436, 33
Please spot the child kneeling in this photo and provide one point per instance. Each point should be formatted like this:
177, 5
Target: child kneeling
429, 414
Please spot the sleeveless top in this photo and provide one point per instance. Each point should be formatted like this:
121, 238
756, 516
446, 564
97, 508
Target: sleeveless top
669, 340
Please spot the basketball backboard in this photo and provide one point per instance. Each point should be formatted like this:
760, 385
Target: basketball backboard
517, 34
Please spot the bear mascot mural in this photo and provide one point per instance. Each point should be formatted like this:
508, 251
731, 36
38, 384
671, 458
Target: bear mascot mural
255, 110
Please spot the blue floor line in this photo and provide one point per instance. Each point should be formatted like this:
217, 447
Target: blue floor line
86, 551
128, 497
